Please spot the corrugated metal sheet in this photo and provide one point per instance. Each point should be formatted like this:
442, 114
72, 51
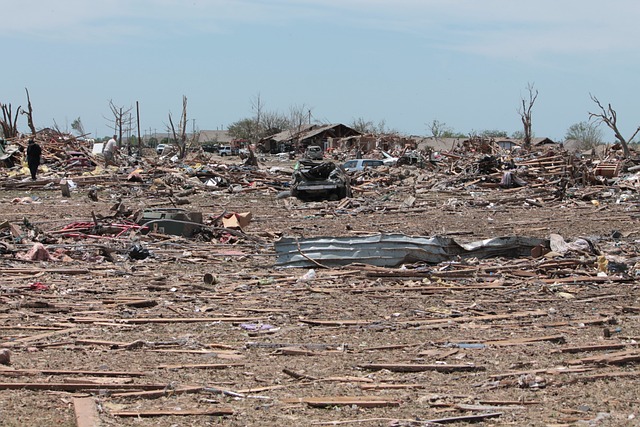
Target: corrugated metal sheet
392, 250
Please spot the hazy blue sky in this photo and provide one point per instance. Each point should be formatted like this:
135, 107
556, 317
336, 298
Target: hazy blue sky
463, 62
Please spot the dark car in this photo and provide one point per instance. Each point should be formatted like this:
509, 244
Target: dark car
314, 181
211, 148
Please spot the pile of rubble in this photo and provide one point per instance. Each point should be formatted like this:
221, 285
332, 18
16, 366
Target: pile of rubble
466, 286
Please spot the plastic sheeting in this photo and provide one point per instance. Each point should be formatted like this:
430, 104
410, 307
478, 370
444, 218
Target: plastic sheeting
392, 250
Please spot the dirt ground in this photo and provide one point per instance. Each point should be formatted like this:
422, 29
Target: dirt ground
523, 342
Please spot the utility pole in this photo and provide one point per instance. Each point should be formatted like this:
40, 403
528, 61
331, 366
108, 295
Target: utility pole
140, 141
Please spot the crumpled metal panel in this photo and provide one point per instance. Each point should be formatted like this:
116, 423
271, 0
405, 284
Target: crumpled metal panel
392, 250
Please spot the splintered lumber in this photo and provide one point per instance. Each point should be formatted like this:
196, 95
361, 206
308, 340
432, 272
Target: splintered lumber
142, 320
605, 376
406, 367
70, 271
549, 371
18, 372
166, 413
336, 322
361, 401
86, 412
595, 347
521, 341
585, 279
618, 358
465, 418
202, 366
463, 319
154, 394
76, 386
486, 317
390, 386
16, 342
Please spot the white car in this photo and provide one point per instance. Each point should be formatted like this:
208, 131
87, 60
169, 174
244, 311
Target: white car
389, 160
361, 164
160, 148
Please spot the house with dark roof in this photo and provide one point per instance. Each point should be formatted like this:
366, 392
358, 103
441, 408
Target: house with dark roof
310, 134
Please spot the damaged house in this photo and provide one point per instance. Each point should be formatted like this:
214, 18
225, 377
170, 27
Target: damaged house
306, 135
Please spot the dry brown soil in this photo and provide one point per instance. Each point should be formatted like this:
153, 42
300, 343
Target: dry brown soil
477, 320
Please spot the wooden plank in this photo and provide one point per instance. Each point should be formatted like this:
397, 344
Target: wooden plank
594, 347
17, 372
585, 279
618, 358
406, 367
202, 366
465, 418
336, 322
75, 387
154, 394
391, 386
16, 342
86, 412
530, 340
361, 401
169, 320
70, 271
168, 413
605, 376
549, 371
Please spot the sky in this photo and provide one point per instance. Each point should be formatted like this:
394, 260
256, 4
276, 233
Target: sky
464, 63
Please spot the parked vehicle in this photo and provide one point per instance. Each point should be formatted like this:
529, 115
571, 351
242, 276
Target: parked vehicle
160, 148
389, 160
227, 150
314, 152
314, 181
361, 164
211, 148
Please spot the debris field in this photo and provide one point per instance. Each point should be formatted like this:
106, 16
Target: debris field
110, 320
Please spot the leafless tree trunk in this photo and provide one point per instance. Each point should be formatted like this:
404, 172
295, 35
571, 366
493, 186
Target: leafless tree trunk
298, 116
29, 114
525, 114
9, 122
180, 137
121, 122
609, 117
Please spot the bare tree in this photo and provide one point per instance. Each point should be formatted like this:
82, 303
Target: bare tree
525, 113
29, 114
180, 137
257, 106
299, 115
609, 117
9, 122
121, 122
272, 123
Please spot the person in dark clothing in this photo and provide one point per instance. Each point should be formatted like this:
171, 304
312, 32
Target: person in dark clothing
33, 157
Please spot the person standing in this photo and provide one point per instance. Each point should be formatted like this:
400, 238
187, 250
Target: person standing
109, 151
34, 152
